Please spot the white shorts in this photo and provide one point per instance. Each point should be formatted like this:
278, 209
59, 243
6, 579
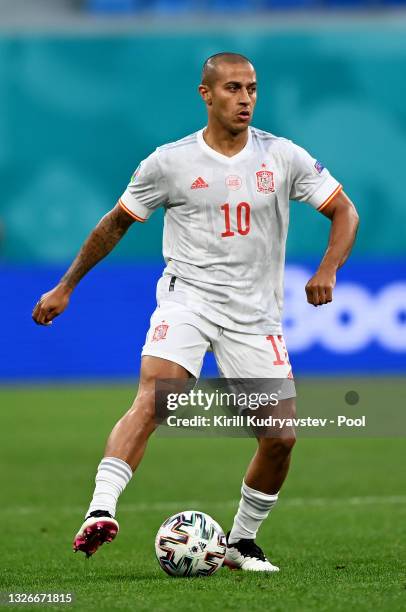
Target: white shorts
182, 336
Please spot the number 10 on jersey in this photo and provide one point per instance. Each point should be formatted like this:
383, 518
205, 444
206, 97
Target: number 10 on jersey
243, 214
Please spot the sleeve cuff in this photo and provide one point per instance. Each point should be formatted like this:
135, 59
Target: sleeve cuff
325, 193
330, 197
133, 207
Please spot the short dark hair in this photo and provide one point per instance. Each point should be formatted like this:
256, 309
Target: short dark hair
212, 62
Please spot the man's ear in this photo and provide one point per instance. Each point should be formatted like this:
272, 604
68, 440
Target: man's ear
205, 92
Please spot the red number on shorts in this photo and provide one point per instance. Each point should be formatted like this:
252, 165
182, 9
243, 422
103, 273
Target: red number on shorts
243, 224
278, 360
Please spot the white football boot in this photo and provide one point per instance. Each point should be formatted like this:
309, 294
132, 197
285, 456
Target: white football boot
98, 528
246, 555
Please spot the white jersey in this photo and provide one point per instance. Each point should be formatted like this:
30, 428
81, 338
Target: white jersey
226, 223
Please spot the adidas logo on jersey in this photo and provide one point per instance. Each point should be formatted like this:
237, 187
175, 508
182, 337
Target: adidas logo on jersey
199, 183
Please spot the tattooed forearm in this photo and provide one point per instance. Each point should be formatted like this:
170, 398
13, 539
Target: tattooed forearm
107, 233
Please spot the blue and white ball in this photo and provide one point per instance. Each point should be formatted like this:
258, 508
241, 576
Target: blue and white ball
190, 543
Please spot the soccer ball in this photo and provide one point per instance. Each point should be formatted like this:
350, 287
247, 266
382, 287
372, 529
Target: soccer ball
190, 544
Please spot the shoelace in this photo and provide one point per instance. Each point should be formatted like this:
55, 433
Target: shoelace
99, 513
248, 548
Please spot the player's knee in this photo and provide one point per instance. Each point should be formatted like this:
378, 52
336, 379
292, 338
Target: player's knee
288, 443
146, 397
143, 407
277, 447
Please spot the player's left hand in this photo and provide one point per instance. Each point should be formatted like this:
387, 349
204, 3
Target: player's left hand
319, 289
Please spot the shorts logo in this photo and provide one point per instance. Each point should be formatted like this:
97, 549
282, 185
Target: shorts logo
265, 181
160, 332
233, 182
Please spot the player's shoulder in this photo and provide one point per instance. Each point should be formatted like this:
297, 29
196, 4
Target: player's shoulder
267, 139
277, 145
178, 145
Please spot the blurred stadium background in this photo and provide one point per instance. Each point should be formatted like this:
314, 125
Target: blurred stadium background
90, 88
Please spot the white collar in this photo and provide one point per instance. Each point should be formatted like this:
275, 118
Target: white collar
219, 156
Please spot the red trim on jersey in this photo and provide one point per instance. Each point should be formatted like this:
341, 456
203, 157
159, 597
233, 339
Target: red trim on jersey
130, 212
330, 197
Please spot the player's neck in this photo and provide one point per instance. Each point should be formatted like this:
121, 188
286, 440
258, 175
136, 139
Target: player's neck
223, 141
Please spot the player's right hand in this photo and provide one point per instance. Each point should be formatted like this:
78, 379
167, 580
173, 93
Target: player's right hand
51, 304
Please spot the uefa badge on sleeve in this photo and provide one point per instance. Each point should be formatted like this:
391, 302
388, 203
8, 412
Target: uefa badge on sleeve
319, 166
265, 181
135, 174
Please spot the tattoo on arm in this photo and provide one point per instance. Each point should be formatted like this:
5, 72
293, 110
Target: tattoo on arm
107, 233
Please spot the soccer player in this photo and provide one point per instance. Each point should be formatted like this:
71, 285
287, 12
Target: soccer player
225, 191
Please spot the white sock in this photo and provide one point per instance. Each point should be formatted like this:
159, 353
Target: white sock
112, 477
253, 509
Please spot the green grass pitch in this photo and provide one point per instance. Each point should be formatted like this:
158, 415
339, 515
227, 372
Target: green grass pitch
338, 532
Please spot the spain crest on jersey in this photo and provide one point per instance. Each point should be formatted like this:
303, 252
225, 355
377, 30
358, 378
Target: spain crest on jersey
265, 182
160, 332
